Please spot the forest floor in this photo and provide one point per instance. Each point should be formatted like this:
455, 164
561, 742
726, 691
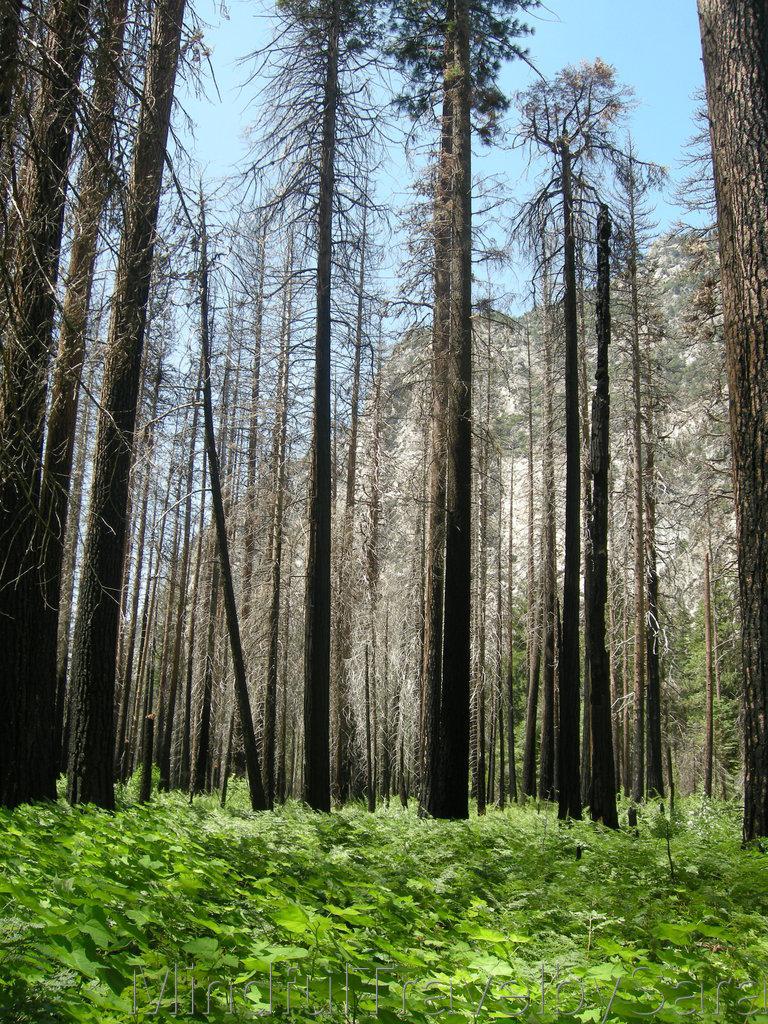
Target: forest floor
488, 919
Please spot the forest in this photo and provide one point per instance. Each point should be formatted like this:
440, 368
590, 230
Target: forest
383, 523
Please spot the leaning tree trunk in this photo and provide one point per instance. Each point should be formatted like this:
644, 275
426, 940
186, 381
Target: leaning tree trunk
27, 688
317, 618
735, 46
164, 757
96, 629
453, 772
569, 788
253, 769
602, 791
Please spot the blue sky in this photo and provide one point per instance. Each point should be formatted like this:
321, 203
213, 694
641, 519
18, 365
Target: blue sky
654, 45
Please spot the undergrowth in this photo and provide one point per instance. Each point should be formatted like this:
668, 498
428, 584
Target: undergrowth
102, 915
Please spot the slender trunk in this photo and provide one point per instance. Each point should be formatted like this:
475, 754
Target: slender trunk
281, 791
511, 628
654, 762
372, 558
586, 497
533, 642
148, 732
185, 757
344, 751
709, 735
68, 575
638, 731
569, 786
202, 760
275, 559
249, 532
129, 645
616, 695
258, 800
164, 758
602, 791
317, 619
549, 585
482, 559
369, 791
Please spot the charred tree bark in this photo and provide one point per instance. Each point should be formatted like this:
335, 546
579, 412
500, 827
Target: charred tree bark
569, 788
317, 619
95, 641
602, 792
27, 684
638, 728
735, 44
92, 190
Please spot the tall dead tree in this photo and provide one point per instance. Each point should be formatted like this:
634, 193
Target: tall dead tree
253, 769
572, 122
317, 609
91, 745
28, 741
602, 790
93, 185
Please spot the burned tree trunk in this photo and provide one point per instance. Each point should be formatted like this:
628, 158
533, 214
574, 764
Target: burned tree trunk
27, 684
92, 190
602, 792
569, 789
96, 631
735, 42
317, 619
